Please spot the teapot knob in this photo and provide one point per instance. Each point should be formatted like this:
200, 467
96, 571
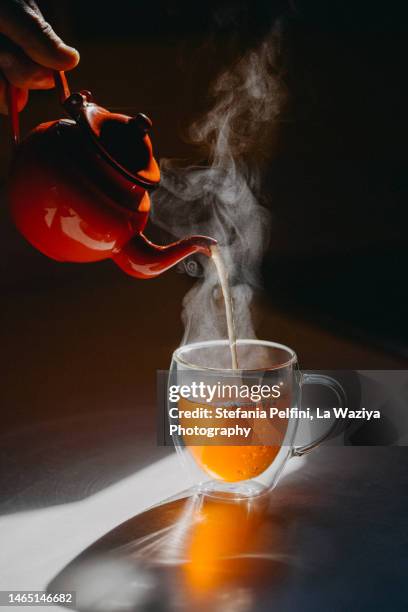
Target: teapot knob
142, 122
74, 104
76, 101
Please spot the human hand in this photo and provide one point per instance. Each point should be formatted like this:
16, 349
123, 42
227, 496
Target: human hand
29, 50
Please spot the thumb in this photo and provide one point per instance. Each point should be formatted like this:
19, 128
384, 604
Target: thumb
23, 23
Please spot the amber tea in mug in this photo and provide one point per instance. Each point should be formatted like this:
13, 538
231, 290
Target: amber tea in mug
261, 429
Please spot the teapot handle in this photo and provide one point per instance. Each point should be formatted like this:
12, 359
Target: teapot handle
63, 91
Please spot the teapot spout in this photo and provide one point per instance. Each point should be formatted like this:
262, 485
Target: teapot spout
143, 259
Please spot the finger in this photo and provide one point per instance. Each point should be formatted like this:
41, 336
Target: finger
21, 94
24, 24
21, 71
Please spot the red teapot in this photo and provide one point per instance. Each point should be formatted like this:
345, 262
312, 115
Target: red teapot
79, 187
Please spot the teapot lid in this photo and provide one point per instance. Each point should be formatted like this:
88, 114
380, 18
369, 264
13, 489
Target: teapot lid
123, 141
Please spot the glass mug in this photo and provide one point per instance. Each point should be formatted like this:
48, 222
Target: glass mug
244, 470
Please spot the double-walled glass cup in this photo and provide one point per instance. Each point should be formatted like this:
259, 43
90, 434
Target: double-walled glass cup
250, 461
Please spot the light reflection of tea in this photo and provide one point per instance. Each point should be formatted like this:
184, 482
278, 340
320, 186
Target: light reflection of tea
224, 532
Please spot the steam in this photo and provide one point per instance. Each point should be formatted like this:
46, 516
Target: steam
219, 199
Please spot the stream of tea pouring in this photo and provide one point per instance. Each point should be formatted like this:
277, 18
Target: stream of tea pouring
229, 312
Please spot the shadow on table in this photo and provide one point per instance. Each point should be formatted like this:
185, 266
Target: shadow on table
332, 536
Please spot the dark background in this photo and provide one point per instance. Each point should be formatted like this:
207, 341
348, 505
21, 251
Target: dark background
336, 179
81, 343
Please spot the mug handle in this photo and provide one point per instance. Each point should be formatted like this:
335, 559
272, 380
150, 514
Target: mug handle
61, 85
338, 425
